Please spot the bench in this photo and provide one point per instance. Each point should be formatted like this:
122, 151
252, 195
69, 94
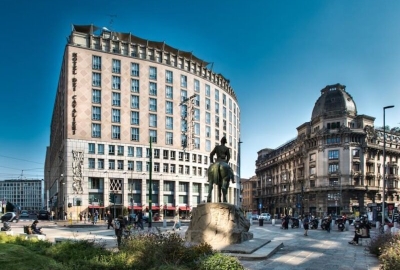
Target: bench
36, 236
7, 232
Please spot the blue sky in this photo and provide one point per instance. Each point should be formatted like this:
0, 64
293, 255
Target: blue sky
278, 55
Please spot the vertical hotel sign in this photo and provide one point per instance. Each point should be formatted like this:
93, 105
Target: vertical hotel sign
74, 83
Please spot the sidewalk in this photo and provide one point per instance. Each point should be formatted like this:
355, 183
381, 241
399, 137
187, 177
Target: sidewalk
319, 250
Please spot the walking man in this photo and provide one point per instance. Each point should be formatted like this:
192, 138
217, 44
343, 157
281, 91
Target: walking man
109, 220
306, 221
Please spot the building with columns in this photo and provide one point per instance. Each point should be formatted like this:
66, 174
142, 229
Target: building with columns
334, 165
116, 93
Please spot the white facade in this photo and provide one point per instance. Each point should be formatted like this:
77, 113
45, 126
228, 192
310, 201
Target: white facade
26, 194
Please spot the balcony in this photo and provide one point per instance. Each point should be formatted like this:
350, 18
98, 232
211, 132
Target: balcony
370, 175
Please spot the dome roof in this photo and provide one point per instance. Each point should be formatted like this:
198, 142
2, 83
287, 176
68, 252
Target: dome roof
334, 102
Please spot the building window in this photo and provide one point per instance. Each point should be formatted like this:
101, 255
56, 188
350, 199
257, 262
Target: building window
169, 107
153, 104
120, 164
208, 118
312, 157
208, 145
169, 138
120, 150
172, 155
96, 79
116, 99
96, 113
116, 66
197, 114
91, 163
135, 86
111, 150
153, 135
183, 81
139, 151
134, 102
96, 96
139, 166
216, 94
96, 130
130, 165
207, 90
333, 125
131, 150
116, 83
153, 89
100, 149
96, 62
356, 153
196, 86
169, 123
208, 131
333, 168
224, 112
153, 120
92, 148
197, 129
224, 99
333, 182
168, 76
135, 134
333, 140
333, 154
153, 73
312, 171
216, 108
169, 92
116, 132
134, 118
172, 168
135, 69
116, 116
111, 164
165, 154
197, 143
183, 95
208, 102
100, 163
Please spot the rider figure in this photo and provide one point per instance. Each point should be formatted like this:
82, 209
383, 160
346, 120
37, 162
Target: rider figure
223, 155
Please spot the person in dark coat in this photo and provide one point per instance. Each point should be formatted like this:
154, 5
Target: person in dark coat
109, 220
118, 232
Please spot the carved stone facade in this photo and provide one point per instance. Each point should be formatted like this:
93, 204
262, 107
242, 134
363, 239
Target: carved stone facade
334, 165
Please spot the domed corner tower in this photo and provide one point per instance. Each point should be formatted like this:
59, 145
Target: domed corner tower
334, 102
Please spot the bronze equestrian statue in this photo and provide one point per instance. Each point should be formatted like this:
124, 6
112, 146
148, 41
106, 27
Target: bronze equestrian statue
220, 172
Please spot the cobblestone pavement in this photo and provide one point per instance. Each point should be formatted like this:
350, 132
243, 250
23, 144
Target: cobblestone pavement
319, 250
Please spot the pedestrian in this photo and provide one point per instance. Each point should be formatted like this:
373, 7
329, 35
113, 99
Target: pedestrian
177, 223
119, 227
306, 221
80, 216
89, 216
287, 218
96, 216
65, 215
52, 215
84, 217
139, 220
328, 224
109, 220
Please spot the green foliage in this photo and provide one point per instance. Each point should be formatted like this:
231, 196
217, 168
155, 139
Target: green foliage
9, 207
126, 211
390, 254
378, 242
219, 261
141, 251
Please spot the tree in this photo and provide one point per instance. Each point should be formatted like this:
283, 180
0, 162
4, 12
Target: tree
10, 207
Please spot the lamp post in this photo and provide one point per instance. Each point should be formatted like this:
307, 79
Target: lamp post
384, 163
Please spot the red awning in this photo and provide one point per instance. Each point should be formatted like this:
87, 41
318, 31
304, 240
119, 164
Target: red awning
95, 206
136, 207
170, 208
184, 208
153, 207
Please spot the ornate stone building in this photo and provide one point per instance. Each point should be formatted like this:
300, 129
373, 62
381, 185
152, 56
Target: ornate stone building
334, 165
116, 92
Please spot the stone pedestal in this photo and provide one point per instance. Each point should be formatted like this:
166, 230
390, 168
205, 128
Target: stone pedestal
218, 224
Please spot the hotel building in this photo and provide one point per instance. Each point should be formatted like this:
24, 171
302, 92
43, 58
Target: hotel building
334, 165
116, 92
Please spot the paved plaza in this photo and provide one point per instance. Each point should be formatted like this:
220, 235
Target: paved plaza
319, 250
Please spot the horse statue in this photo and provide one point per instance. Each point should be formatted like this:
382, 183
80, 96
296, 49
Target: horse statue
219, 173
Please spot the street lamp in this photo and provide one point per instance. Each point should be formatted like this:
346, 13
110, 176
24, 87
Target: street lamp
384, 163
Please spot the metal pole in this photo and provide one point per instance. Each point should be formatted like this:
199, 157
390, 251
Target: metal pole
384, 164
150, 186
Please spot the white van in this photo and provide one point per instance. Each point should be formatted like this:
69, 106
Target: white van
265, 216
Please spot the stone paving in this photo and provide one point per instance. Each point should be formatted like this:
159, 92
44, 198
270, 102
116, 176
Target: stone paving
319, 250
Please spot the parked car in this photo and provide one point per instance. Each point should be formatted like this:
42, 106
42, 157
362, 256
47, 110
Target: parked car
9, 217
24, 213
265, 216
254, 217
43, 214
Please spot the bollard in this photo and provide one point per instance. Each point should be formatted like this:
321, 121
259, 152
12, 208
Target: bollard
346, 225
164, 223
273, 222
385, 228
332, 224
